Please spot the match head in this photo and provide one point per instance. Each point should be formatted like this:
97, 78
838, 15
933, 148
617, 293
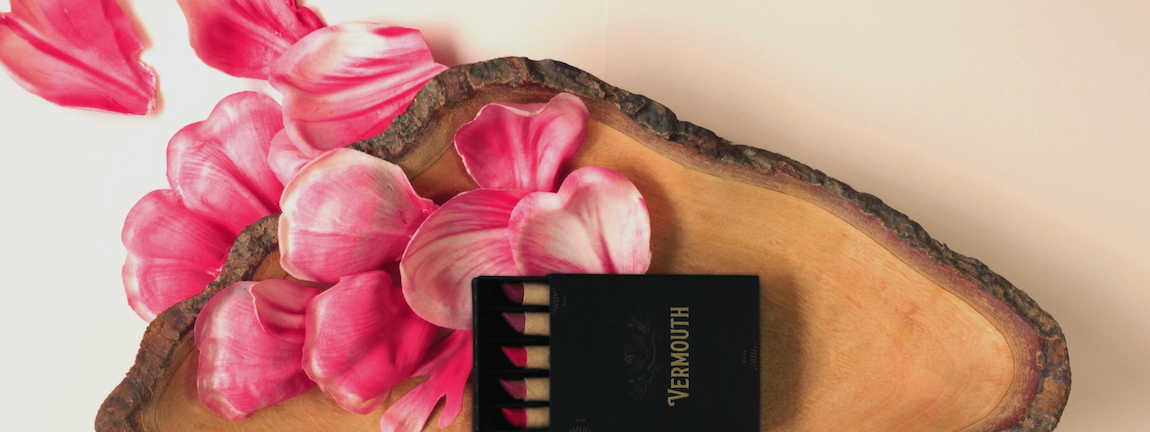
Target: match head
514, 292
516, 388
517, 320
516, 416
517, 356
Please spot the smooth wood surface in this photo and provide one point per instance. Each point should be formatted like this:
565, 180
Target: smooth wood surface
868, 324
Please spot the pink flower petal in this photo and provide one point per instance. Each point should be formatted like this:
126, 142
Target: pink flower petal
155, 284
220, 165
345, 83
523, 146
286, 159
465, 238
281, 306
346, 213
243, 37
449, 363
362, 338
242, 368
172, 253
596, 223
77, 53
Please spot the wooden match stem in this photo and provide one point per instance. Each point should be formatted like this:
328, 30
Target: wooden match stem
536, 294
538, 357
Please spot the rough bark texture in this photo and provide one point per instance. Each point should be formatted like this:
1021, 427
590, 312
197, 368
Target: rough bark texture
461, 82
158, 356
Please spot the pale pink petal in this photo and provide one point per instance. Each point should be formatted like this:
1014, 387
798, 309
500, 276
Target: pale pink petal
449, 364
220, 165
155, 284
596, 223
243, 37
523, 146
77, 53
345, 213
172, 253
281, 308
345, 83
465, 238
286, 159
242, 368
362, 338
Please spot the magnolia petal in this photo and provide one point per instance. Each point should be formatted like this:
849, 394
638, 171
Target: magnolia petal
155, 284
465, 238
77, 53
242, 368
220, 165
172, 253
523, 146
362, 338
286, 159
281, 306
345, 83
346, 213
596, 223
449, 364
243, 37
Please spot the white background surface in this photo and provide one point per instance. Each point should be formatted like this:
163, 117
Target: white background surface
1016, 132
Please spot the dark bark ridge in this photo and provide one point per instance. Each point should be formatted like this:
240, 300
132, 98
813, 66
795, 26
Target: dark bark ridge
462, 82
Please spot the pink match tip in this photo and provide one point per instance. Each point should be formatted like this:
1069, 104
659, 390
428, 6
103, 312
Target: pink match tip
516, 416
517, 320
514, 292
518, 356
516, 388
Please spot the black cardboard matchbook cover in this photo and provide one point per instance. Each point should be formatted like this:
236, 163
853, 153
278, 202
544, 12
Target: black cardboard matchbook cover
629, 353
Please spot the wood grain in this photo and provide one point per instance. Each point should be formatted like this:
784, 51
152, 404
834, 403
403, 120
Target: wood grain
868, 323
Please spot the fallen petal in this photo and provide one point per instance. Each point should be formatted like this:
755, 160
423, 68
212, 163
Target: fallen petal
465, 238
346, 213
172, 253
285, 158
449, 364
242, 368
220, 165
596, 223
281, 308
243, 37
155, 284
362, 338
345, 83
523, 146
77, 53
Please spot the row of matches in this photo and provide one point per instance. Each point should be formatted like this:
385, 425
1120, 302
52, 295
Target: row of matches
528, 357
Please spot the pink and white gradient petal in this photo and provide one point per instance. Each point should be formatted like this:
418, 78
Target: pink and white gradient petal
281, 307
362, 339
243, 37
596, 223
449, 364
173, 253
77, 53
347, 212
465, 238
523, 146
220, 165
241, 367
345, 83
286, 159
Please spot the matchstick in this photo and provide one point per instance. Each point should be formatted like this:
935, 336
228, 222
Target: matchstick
530, 357
529, 389
528, 418
529, 323
528, 293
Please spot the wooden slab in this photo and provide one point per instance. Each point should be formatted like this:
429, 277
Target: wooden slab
868, 323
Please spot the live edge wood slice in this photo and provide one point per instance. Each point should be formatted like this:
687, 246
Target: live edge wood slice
868, 323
